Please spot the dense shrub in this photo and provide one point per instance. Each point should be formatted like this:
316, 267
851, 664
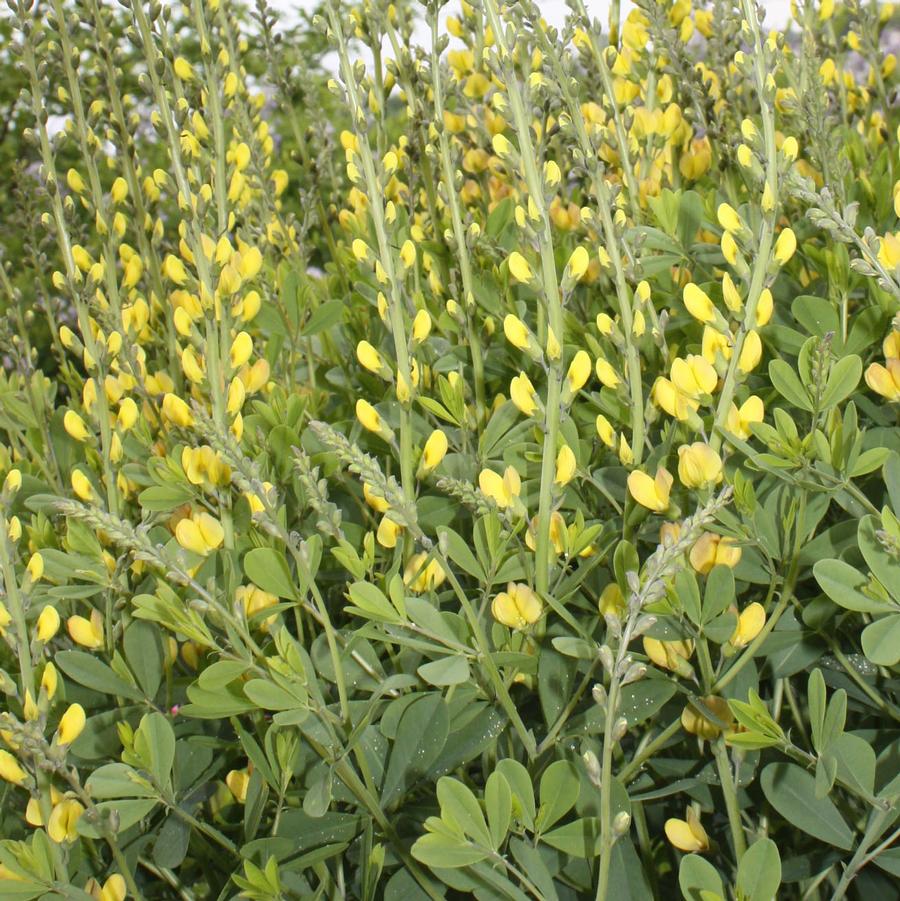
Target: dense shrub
445, 470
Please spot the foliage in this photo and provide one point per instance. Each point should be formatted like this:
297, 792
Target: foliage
460, 469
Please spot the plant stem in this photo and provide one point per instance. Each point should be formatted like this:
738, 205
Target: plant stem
729, 790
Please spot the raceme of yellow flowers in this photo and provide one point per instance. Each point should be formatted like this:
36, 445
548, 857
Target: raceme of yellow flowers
509, 400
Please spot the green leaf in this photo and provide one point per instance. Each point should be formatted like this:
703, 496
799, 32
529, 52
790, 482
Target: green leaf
145, 655
498, 806
696, 876
460, 809
842, 380
325, 317
421, 736
759, 873
445, 671
881, 640
270, 696
519, 781
88, 670
163, 498
787, 383
843, 584
884, 567
268, 569
370, 601
127, 813
580, 838
443, 852
560, 787
719, 594
154, 743
792, 792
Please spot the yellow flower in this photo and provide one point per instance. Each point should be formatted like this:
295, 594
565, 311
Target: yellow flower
698, 304
369, 357
729, 218
695, 722
694, 376
388, 532
885, 380
183, 69
434, 450
64, 820
421, 327
200, 534
10, 769
889, 251
698, 465
375, 501
739, 420
765, 306
86, 632
75, 181
177, 411
503, 490
370, 419
674, 401
501, 146
253, 599
241, 350
606, 374
81, 485
750, 623
605, 323
670, 655
577, 265
687, 835
523, 395
518, 607
611, 601
558, 533
419, 578
13, 481
47, 623
238, 781
652, 493
579, 372
75, 426
785, 246
35, 566
49, 680
751, 352
174, 269
565, 466
519, 268
713, 550
114, 889
71, 724
516, 332
605, 431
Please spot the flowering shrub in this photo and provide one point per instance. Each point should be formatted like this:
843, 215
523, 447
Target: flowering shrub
472, 469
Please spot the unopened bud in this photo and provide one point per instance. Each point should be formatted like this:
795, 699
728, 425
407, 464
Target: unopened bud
621, 823
620, 727
592, 765
598, 693
606, 658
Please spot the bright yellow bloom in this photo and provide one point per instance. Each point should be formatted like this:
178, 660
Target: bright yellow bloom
785, 246
652, 493
47, 623
434, 450
35, 566
241, 350
115, 889
420, 579
183, 69
253, 599
86, 632
516, 332
238, 781
75, 426
519, 268
687, 835
518, 607
606, 374
523, 395
62, 826
370, 419
751, 352
177, 411
421, 327
739, 420
750, 623
388, 532
674, 401
611, 601
729, 218
82, 486
71, 724
10, 769
579, 372
577, 265
713, 550
698, 304
200, 534
369, 357
695, 722
694, 376
565, 466
503, 490
75, 181
698, 465
375, 501
670, 655
885, 380
765, 306
605, 432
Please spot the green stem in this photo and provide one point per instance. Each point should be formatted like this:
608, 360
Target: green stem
726, 780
